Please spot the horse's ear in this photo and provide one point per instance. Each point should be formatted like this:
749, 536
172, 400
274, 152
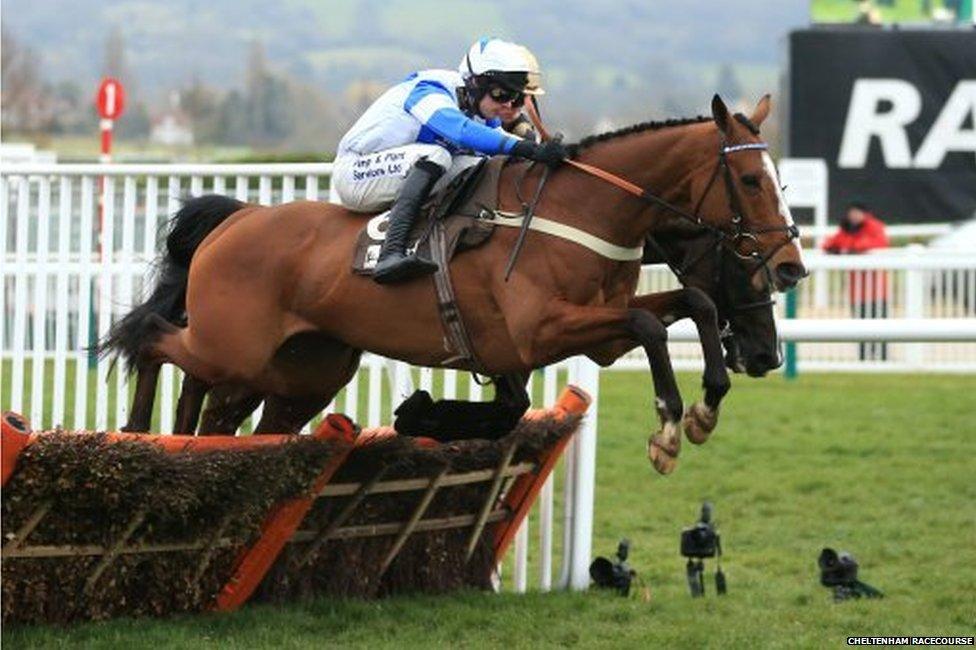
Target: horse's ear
762, 110
720, 113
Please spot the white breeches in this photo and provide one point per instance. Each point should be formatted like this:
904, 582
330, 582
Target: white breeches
370, 183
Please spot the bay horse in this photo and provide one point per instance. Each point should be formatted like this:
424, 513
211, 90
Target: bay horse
264, 276
697, 258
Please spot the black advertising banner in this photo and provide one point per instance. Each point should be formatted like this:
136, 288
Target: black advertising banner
893, 112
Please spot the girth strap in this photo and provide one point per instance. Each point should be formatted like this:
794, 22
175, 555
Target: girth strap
569, 233
447, 307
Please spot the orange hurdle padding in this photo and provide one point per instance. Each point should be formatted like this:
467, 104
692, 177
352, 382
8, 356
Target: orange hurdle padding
525, 489
284, 519
14, 436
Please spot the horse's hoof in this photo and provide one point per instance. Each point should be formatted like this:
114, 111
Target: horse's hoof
663, 448
699, 422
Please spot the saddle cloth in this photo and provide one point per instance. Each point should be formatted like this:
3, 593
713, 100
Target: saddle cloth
456, 207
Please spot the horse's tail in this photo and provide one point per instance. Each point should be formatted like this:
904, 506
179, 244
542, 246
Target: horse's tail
188, 228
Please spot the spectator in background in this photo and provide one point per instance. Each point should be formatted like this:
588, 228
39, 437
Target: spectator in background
861, 231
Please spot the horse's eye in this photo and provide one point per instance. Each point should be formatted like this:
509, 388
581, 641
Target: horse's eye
751, 181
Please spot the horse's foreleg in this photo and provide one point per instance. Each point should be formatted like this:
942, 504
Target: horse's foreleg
567, 329
701, 417
140, 415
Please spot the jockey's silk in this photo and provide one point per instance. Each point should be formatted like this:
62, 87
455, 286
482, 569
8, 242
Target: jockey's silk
423, 108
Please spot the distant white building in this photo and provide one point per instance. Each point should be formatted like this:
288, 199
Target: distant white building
173, 128
25, 152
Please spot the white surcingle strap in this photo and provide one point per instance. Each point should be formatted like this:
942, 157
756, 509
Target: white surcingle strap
569, 233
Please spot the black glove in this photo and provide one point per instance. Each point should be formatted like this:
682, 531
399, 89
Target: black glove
551, 153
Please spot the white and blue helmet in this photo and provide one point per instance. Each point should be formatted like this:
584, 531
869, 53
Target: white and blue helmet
492, 60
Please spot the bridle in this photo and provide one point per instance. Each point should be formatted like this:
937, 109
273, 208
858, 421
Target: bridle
733, 238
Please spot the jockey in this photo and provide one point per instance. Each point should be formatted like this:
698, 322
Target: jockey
426, 130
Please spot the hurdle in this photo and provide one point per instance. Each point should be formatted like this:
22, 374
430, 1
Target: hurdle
91, 533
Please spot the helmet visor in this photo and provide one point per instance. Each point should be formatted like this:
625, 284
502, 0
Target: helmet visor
523, 82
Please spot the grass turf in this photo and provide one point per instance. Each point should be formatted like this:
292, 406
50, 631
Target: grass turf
877, 465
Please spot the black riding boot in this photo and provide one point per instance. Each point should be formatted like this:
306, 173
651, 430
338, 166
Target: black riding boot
394, 265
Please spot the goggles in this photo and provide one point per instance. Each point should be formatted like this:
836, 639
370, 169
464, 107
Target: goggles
505, 95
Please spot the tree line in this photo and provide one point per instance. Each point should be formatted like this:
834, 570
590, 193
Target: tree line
269, 110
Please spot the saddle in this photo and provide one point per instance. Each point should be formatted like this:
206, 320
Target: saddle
454, 211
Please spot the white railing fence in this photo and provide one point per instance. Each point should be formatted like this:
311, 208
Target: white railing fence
63, 287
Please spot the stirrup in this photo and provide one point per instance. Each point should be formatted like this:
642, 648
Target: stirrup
400, 268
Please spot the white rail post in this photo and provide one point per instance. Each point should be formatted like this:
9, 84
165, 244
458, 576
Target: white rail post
546, 495
4, 220
105, 297
39, 356
586, 375
85, 311
914, 300
61, 310
124, 296
20, 293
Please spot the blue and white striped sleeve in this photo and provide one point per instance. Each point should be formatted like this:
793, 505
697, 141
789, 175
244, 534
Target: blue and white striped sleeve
434, 106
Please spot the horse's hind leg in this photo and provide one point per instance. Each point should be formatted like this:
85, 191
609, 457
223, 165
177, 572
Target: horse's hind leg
323, 367
290, 414
140, 415
189, 405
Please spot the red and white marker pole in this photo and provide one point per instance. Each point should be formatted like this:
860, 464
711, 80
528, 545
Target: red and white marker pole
110, 102
106, 126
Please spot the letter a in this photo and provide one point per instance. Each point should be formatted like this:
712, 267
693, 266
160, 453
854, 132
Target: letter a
865, 122
947, 133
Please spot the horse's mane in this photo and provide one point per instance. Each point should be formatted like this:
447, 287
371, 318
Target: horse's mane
636, 128
653, 126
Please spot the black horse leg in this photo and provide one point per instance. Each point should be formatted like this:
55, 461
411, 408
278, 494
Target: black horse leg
227, 408
715, 379
702, 417
140, 415
650, 333
188, 407
511, 397
672, 306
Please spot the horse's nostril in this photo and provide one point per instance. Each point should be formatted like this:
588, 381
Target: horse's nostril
761, 363
769, 361
789, 273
